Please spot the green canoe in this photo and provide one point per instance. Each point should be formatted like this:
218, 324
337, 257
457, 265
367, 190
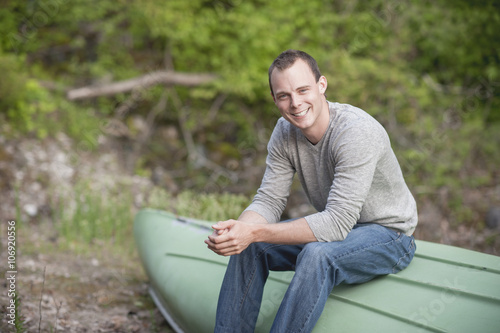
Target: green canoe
445, 289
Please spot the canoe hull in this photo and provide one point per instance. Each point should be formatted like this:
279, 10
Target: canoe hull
445, 289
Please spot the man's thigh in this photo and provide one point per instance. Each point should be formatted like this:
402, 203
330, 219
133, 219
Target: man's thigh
276, 257
367, 251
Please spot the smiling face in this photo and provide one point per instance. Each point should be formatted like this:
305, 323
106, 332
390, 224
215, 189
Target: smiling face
301, 100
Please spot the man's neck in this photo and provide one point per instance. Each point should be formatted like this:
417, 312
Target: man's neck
315, 133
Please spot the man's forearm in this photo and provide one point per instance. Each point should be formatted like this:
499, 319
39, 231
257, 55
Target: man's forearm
250, 216
233, 236
294, 232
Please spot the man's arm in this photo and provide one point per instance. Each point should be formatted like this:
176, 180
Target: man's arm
252, 217
257, 222
233, 236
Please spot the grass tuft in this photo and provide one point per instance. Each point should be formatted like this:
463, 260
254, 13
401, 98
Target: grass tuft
90, 216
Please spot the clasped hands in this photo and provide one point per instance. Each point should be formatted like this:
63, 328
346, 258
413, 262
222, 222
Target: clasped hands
230, 237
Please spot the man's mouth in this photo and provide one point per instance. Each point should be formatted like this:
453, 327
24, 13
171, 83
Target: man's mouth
301, 113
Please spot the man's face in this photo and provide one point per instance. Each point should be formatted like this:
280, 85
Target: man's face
300, 99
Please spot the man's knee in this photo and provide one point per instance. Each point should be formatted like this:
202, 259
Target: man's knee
314, 252
254, 251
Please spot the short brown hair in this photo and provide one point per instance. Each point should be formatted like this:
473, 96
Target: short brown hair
287, 58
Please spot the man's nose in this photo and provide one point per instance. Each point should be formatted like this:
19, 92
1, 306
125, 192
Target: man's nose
295, 101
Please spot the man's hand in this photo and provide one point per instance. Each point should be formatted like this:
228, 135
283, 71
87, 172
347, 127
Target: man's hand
233, 236
230, 237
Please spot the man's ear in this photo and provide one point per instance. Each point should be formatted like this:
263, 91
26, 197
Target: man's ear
323, 84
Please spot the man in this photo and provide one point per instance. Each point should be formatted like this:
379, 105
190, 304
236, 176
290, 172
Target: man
366, 213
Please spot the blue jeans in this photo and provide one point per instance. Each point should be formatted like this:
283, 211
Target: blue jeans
368, 250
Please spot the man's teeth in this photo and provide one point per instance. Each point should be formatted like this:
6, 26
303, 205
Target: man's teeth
300, 114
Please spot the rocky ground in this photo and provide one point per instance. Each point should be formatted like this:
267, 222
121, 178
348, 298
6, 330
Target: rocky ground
63, 292
105, 291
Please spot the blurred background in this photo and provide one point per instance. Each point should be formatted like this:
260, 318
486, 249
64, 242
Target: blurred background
110, 106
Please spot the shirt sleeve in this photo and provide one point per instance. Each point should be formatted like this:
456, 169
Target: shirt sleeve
356, 151
272, 195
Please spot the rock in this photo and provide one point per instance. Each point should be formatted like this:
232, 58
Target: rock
31, 209
493, 218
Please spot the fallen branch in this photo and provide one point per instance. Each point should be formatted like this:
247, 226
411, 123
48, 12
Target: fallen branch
142, 82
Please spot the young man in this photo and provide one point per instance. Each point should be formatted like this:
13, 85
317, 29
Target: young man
366, 213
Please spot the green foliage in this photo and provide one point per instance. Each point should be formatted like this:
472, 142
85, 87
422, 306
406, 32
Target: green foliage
89, 215
97, 214
235, 39
429, 71
211, 206
204, 206
465, 45
11, 16
13, 84
23, 102
30, 108
19, 321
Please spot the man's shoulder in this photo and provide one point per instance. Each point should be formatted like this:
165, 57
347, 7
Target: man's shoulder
353, 124
284, 136
347, 115
280, 132
348, 111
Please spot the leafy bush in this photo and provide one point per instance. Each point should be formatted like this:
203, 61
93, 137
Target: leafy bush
88, 215
428, 71
23, 102
205, 206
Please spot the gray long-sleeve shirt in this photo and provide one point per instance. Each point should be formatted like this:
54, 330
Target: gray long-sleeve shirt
350, 176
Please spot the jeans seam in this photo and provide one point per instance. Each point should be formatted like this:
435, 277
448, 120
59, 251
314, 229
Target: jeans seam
252, 276
316, 300
399, 236
364, 248
407, 254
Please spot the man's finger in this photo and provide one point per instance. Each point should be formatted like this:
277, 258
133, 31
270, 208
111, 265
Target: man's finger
218, 239
220, 232
229, 251
223, 225
219, 242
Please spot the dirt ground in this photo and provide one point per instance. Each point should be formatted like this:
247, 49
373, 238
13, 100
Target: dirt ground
61, 292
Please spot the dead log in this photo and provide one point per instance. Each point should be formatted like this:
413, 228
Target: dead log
142, 82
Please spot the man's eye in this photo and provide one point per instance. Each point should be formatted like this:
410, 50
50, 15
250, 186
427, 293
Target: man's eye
281, 96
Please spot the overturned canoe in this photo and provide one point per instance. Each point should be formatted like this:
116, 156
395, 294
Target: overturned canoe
445, 289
